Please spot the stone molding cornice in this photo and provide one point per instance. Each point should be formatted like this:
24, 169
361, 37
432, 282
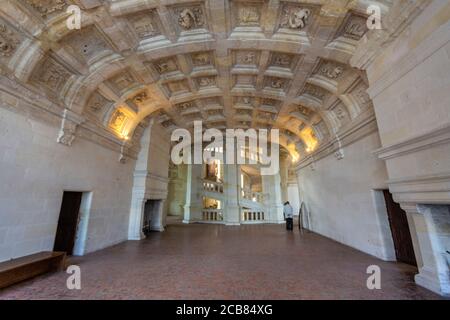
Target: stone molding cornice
146, 174
422, 179
427, 189
425, 141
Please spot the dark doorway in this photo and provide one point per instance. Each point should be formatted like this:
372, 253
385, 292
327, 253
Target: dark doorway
68, 222
151, 216
401, 235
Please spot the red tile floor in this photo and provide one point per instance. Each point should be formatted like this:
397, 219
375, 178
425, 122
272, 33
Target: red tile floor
218, 262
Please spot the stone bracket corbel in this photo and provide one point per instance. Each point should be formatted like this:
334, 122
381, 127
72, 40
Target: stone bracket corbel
339, 153
69, 124
124, 151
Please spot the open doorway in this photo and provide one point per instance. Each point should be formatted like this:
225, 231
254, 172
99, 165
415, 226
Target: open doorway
73, 220
152, 216
401, 235
68, 222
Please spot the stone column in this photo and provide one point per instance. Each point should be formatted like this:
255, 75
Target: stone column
273, 201
193, 207
231, 191
284, 176
430, 232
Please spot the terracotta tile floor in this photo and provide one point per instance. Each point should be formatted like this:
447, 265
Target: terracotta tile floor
218, 262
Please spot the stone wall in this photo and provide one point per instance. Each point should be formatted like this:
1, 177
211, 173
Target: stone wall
35, 170
342, 202
409, 85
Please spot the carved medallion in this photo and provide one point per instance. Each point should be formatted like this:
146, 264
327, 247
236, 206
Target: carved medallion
190, 18
294, 17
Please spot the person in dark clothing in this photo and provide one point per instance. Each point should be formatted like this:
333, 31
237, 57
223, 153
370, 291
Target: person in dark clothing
288, 215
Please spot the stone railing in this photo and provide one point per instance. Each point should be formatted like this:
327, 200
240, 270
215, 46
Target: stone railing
212, 186
212, 215
253, 215
252, 196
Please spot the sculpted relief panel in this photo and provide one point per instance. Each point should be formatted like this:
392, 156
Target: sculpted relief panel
187, 107
246, 58
282, 60
165, 65
118, 121
248, 15
201, 59
189, 18
354, 27
294, 17
341, 114
52, 75
146, 25
359, 93
140, 98
329, 69
276, 83
98, 104
9, 41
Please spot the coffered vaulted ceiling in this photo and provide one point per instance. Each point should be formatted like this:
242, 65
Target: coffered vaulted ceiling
231, 64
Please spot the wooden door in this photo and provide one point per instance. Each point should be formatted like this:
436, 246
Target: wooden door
401, 235
68, 222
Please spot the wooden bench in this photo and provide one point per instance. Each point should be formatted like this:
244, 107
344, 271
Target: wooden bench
27, 267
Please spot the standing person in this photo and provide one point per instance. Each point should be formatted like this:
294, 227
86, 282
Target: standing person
288, 215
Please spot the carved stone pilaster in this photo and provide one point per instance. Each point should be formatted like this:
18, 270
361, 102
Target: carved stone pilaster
69, 125
430, 238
